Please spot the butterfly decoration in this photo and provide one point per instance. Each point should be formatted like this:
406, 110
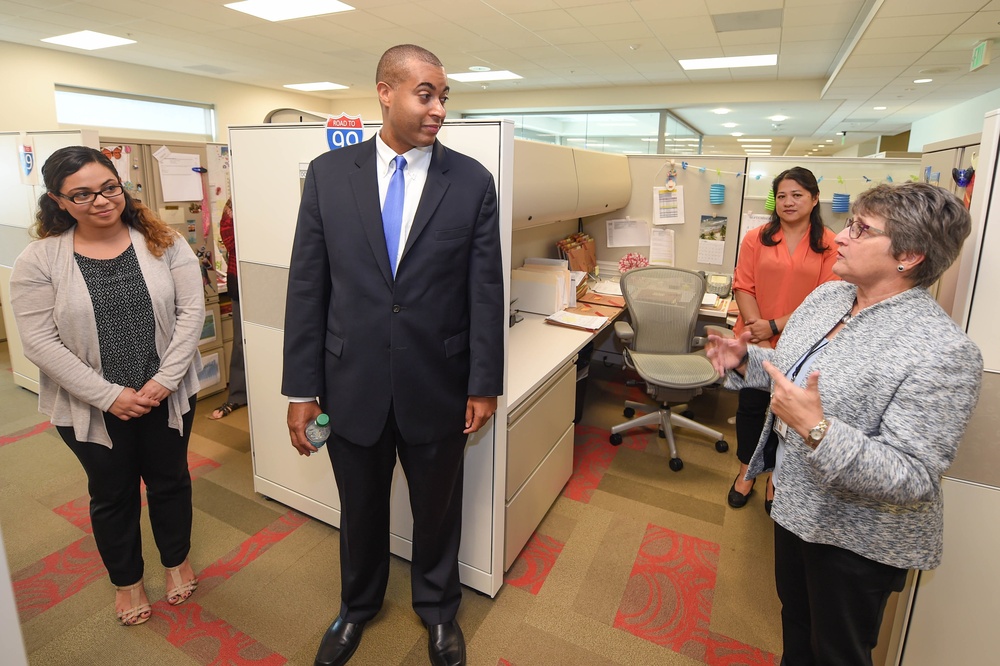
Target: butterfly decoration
112, 153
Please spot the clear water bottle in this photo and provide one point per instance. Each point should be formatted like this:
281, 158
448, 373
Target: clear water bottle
318, 431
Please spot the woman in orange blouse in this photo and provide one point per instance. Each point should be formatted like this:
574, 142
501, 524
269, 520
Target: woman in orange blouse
779, 264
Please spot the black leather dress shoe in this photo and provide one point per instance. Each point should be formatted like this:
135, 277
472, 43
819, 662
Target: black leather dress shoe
339, 643
445, 644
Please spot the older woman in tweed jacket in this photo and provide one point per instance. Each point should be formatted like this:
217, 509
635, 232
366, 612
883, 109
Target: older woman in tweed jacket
872, 388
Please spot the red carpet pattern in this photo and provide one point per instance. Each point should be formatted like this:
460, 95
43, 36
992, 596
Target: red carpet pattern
534, 563
668, 600
208, 639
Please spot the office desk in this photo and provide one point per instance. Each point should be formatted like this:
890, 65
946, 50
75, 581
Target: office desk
541, 400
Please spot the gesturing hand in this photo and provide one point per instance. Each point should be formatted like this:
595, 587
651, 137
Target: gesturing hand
800, 407
726, 353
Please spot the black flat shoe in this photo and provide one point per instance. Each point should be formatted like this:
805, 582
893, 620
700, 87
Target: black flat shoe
446, 644
736, 499
339, 643
768, 502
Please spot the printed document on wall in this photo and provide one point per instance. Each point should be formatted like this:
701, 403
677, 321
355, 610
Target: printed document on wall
628, 233
668, 206
661, 247
180, 180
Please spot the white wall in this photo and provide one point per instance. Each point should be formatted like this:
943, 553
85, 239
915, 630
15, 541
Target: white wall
29, 75
961, 120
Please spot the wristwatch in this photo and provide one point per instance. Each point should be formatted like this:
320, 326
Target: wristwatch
817, 433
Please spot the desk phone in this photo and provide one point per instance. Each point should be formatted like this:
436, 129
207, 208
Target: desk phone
718, 284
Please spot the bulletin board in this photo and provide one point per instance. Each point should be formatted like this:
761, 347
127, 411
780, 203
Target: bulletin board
695, 176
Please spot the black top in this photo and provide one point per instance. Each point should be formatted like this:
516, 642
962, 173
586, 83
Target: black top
126, 326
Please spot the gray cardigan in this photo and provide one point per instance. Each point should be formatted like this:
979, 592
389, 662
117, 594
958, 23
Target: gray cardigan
898, 384
58, 330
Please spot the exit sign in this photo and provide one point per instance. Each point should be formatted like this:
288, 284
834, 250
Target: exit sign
980, 55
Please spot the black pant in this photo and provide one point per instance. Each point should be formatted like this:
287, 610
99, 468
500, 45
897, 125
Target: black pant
751, 413
832, 601
434, 474
145, 448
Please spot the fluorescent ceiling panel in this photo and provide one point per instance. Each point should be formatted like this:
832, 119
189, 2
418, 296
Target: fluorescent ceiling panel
88, 40
730, 63
473, 77
313, 87
284, 10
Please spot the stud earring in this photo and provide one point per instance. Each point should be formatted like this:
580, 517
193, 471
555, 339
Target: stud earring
901, 268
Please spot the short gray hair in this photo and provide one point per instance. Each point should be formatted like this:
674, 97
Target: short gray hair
920, 218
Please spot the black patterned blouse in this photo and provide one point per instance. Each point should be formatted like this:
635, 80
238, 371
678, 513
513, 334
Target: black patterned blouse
126, 327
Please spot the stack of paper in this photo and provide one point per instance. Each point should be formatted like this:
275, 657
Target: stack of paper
710, 300
542, 286
584, 322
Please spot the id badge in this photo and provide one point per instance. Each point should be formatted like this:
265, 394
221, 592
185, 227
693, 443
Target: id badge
780, 427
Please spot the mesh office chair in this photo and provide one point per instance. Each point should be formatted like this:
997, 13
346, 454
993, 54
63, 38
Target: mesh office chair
663, 305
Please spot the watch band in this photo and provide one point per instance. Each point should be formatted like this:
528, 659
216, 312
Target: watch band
774, 326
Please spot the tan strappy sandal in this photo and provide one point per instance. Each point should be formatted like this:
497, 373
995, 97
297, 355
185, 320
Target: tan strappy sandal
181, 590
139, 612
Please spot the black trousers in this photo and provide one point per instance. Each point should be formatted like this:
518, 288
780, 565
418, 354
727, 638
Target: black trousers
751, 413
832, 601
434, 474
145, 448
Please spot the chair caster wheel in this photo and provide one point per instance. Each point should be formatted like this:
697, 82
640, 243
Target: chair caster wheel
722, 446
688, 414
615, 439
661, 434
629, 412
676, 464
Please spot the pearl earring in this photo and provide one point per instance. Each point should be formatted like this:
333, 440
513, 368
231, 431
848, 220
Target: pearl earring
900, 268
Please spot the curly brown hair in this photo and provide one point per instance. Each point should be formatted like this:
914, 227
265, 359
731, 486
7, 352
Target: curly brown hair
51, 220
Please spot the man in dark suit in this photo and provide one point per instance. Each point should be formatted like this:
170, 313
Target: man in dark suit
401, 341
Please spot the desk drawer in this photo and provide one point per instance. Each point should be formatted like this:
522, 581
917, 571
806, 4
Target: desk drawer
527, 508
538, 426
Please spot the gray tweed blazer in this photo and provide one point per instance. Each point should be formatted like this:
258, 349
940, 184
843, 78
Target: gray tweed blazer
898, 384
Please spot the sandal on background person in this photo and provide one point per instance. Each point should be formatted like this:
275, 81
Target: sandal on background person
179, 590
224, 410
139, 611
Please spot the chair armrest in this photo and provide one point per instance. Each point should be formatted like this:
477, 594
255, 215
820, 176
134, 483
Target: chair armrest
721, 331
624, 331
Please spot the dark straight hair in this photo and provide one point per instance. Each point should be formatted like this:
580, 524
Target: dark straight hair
807, 180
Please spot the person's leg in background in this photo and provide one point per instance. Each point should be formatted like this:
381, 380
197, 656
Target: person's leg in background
237, 396
751, 413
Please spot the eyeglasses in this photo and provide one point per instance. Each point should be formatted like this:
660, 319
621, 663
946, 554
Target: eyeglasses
80, 198
856, 227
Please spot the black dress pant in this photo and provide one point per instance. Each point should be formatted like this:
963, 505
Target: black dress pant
145, 448
434, 473
751, 414
832, 601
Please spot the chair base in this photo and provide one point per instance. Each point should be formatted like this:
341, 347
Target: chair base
665, 419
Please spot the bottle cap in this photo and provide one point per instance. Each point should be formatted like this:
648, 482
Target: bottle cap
322, 420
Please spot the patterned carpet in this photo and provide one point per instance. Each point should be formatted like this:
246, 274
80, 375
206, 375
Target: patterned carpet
634, 564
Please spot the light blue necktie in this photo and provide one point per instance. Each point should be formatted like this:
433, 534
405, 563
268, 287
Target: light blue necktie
392, 211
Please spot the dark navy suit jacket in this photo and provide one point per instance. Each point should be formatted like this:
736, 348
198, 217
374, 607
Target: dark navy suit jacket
423, 342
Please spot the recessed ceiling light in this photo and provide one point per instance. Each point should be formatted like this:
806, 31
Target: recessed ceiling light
88, 40
879, 108
754, 140
729, 63
721, 111
479, 68
922, 80
730, 125
779, 118
736, 133
284, 10
499, 75
829, 140
317, 85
